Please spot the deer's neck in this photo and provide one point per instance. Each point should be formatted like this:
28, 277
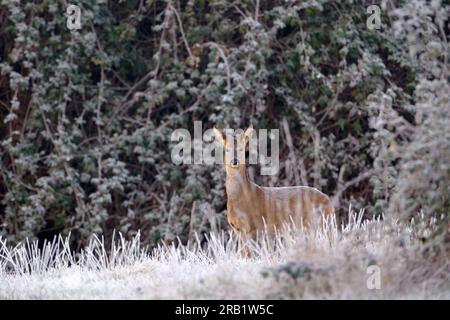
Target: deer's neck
238, 185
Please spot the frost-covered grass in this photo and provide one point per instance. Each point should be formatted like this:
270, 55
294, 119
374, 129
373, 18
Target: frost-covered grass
331, 263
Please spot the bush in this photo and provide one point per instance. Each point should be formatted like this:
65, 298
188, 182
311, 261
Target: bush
87, 114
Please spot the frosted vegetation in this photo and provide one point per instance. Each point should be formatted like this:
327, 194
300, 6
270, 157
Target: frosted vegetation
86, 117
326, 264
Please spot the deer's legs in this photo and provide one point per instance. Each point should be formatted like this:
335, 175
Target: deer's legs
244, 245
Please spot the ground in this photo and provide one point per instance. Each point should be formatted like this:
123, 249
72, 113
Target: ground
378, 259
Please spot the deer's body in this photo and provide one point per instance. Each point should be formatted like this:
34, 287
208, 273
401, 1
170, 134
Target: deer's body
252, 209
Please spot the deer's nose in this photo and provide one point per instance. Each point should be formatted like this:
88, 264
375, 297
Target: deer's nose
234, 162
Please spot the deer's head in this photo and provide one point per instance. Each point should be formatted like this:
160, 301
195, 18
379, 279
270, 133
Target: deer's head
234, 142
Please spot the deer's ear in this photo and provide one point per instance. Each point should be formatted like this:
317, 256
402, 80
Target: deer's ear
219, 135
248, 134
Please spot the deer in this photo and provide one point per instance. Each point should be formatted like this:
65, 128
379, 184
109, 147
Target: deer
254, 209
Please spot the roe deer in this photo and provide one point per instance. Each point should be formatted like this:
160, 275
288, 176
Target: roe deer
252, 209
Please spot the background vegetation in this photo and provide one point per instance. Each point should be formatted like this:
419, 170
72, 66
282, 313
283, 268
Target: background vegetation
86, 116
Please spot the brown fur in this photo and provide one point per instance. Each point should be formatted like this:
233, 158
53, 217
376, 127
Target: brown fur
252, 209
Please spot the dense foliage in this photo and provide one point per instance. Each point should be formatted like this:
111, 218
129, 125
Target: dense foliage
86, 115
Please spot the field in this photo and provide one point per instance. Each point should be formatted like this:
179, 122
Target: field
377, 259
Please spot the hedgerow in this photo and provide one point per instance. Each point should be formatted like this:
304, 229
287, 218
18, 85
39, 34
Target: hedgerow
87, 114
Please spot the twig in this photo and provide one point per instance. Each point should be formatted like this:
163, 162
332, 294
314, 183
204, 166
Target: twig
316, 143
183, 36
344, 186
225, 60
287, 132
191, 223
